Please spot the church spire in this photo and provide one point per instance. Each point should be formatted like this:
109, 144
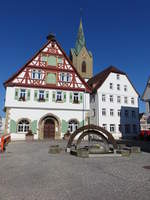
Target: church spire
80, 42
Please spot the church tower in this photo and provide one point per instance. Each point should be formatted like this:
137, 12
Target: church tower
81, 58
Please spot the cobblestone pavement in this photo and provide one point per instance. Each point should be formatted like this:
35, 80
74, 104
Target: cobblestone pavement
29, 172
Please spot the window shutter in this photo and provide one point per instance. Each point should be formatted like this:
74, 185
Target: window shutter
35, 95
13, 126
81, 97
47, 96
64, 126
64, 96
16, 93
54, 96
28, 95
34, 126
70, 97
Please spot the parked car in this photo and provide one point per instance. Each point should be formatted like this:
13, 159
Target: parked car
145, 135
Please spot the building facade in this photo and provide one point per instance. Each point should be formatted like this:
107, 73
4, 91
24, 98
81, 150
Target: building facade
2, 125
114, 103
47, 96
145, 117
81, 58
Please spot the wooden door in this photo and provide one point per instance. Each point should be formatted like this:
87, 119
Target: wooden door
49, 129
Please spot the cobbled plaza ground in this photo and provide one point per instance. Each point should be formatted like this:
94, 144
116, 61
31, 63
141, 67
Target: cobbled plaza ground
29, 172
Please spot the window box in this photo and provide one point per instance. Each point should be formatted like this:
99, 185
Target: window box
67, 135
41, 100
59, 100
76, 101
22, 99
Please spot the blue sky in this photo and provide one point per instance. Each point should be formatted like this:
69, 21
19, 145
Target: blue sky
117, 32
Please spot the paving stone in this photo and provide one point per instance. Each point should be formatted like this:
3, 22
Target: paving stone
29, 172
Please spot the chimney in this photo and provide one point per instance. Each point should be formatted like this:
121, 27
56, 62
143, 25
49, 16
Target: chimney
51, 36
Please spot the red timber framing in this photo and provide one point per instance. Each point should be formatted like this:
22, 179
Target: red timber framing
23, 78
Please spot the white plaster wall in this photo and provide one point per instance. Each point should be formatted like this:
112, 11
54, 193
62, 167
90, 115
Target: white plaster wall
94, 106
11, 102
37, 114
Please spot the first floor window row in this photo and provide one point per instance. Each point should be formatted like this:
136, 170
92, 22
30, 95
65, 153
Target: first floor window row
43, 95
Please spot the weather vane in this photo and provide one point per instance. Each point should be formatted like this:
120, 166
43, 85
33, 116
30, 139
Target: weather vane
81, 12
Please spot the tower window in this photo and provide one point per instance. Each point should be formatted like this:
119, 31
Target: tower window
84, 66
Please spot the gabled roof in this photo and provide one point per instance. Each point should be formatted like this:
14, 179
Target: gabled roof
96, 81
146, 93
6, 83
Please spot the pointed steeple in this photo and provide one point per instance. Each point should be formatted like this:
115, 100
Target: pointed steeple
80, 42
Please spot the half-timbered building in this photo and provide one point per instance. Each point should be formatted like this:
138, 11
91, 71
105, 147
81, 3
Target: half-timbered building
47, 96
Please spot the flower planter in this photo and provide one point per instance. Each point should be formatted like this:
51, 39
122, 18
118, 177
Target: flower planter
29, 137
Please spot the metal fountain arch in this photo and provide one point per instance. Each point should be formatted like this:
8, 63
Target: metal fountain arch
92, 129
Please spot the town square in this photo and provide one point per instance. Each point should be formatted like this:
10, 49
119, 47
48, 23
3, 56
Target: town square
75, 100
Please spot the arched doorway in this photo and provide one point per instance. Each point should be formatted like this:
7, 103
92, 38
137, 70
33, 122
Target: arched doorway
49, 128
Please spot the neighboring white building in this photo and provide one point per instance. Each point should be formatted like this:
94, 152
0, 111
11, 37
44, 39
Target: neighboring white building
114, 103
47, 95
145, 117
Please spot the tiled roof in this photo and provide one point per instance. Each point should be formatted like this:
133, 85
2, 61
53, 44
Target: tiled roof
96, 81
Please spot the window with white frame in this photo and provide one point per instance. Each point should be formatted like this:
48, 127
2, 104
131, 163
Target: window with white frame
119, 113
118, 99
72, 125
111, 112
118, 76
111, 86
36, 74
22, 94
111, 98
75, 97
104, 126
62, 77
59, 96
125, 88
103, 111
23, 126
112, 128
125, 100
41, 95
118, 86
65, 77
132, 101
103, 97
